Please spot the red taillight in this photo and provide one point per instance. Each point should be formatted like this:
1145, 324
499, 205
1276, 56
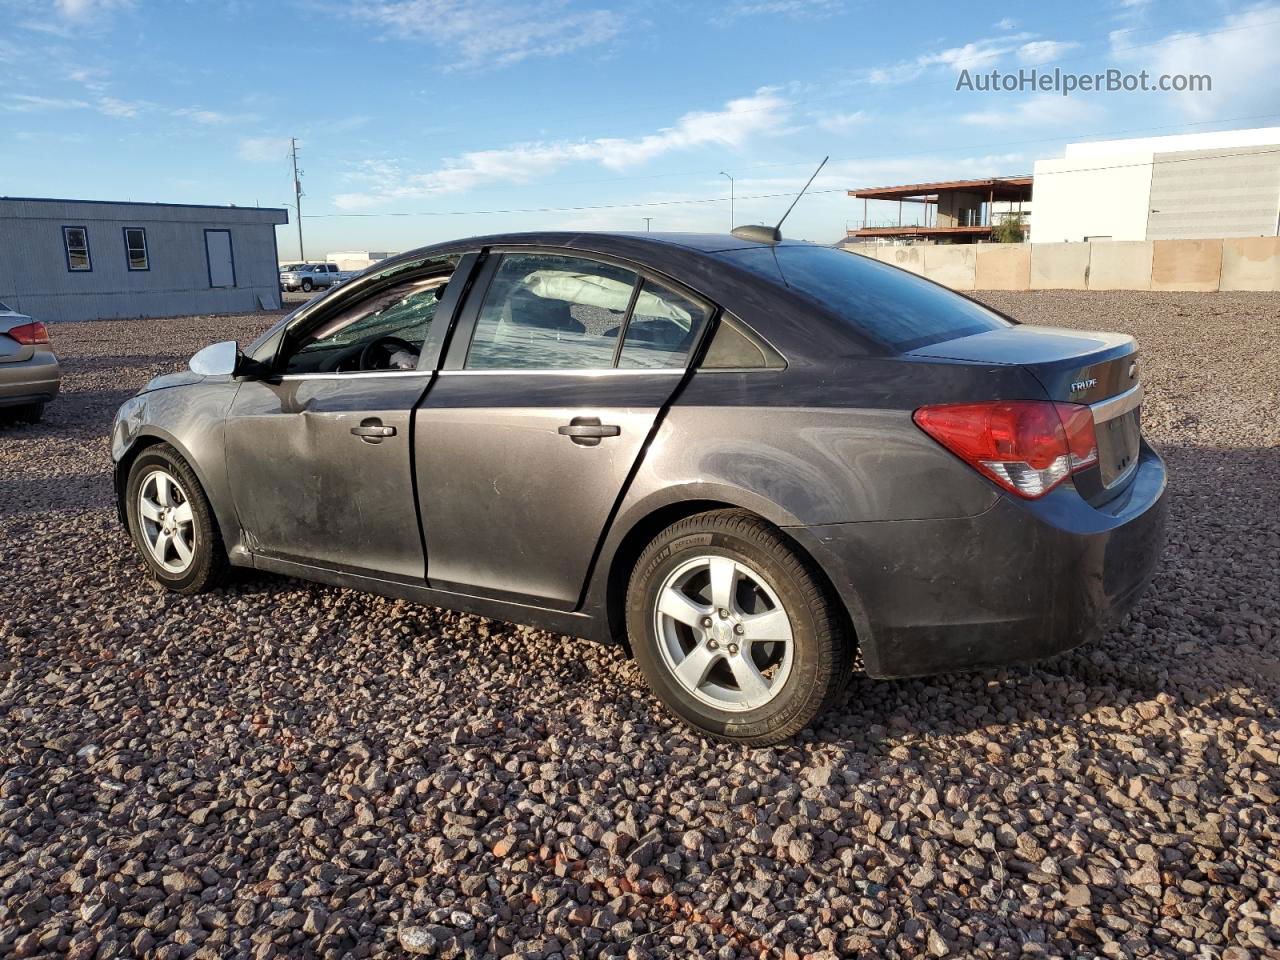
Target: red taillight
1026, 446
29, 333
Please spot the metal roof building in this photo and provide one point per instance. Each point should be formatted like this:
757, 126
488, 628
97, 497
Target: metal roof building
67, 260
1222, 183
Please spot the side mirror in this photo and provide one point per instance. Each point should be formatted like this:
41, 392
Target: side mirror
219, 360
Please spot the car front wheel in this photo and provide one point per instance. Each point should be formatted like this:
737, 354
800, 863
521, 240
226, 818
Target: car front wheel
734, 630
306, 285
172, 523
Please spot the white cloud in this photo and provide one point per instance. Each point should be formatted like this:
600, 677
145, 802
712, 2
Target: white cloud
1044, 51
1041, 110
88, 9
64, 17
793, 8
976, 55
1238, 54
495, 34
113, 107
841, 122
1008, 23
28, 103
763, 113
263, 149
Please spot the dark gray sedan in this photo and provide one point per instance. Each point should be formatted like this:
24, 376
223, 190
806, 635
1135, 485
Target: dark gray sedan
748, 461
29, 373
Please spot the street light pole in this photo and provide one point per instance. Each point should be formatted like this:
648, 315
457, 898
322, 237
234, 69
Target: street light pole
646, 223
731, 217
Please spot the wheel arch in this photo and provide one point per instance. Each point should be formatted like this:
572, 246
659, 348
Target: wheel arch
152, 437
644, 525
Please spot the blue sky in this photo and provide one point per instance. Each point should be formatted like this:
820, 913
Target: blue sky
436, 110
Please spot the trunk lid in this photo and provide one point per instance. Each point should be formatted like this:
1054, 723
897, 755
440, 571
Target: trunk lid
1100, 370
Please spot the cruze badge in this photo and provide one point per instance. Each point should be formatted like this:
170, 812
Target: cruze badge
1084, 384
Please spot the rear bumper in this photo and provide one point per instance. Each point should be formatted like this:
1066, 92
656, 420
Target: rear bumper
36, 380
1022, 581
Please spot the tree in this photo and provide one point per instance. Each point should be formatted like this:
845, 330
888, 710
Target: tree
1011, 229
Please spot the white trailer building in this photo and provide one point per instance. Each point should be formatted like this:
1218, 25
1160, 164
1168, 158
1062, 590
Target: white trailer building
67, 260
1187, 186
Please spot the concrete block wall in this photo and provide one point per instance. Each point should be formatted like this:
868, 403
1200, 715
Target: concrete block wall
1235, 263
1250, 263
1060, 266
1124, 265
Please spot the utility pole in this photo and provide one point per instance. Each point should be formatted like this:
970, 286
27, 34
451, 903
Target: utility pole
297, 194
647, 220
732, 221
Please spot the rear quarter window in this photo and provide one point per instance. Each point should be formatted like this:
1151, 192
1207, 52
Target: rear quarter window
893, 307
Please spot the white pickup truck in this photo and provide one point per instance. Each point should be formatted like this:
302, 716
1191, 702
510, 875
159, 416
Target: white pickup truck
312, 276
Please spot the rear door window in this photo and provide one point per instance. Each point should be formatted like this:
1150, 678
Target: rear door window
662, 330
551, 312
896, 308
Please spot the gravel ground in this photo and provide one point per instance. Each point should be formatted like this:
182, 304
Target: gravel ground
281, 769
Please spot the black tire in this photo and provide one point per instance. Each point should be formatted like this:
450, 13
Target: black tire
306, 286
208, 565
822, 651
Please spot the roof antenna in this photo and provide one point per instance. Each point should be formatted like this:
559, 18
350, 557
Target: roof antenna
762, 234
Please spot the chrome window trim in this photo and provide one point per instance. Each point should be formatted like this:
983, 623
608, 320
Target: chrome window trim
567, 372
585, 372
1118, 405
347, 375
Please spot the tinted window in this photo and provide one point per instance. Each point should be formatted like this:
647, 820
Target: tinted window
551, 312
891, 306
662, 329
737, 347
4, 309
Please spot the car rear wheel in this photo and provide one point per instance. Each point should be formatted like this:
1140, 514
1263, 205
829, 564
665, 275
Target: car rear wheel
172, 523
734, 630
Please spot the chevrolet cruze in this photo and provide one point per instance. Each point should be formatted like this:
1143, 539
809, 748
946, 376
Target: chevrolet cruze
748, 460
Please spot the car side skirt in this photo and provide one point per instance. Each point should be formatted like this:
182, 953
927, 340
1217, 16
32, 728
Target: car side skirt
555, 621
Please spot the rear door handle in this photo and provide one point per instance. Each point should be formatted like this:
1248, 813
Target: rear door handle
373, 431
587, 431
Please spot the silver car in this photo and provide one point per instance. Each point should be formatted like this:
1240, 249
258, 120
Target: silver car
29, 371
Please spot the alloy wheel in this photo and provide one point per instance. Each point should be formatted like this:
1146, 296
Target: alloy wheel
164, 517
723, 633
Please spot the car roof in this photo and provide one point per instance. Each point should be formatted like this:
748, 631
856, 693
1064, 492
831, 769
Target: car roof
643, 246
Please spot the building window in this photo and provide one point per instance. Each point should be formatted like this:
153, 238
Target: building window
76, 240
135, 248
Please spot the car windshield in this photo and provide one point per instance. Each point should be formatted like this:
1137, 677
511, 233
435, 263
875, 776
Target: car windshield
4, 308
889, 305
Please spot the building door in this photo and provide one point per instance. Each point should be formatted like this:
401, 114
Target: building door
217, 251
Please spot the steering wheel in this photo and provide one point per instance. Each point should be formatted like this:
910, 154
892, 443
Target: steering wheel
387, 345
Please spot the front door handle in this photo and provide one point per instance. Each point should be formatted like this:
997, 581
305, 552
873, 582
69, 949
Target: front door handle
587, 431
373, 431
